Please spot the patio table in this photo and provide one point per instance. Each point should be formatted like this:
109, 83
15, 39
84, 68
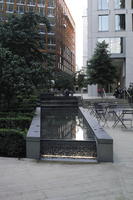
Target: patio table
120, 116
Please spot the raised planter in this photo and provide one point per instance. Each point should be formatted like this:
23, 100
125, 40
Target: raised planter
104, 141
33, 137
59, 101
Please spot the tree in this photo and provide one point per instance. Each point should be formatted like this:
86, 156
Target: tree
101, 71
14, 79
64, 81
81, 80
22, 63
20, 34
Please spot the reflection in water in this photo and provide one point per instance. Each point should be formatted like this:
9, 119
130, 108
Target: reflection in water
66, 124
79, 133
64, 134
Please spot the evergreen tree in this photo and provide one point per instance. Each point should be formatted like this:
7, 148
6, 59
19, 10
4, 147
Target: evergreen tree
22, 64
20, 34
14, 78
81, 80
101, 71
64, 80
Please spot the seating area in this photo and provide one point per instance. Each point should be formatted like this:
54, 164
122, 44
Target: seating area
112, 114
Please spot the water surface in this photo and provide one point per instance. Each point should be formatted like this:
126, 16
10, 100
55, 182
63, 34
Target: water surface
64, 124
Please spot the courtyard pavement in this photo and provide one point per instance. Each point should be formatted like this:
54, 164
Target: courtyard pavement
85, 96
27, 179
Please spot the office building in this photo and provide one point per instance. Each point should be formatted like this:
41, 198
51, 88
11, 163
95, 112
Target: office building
111, 21
60, 41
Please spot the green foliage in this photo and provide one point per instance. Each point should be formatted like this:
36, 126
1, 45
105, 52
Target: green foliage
12, 143
63, 81
20, 122
15, 114
14, 79
41, 76
25, 104
81, 80
7, 130
101, 71
21, 35
22, 70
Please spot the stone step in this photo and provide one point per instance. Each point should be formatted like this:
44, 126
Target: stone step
59, 101
58, 105
69, 160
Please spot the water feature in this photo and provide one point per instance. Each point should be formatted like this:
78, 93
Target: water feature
65, 134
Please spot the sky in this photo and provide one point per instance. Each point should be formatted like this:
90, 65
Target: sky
76, 8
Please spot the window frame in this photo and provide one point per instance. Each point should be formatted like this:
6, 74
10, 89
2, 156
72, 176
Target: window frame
120, 22
100, 5
131, 4
111, 41
100, 23
119, 7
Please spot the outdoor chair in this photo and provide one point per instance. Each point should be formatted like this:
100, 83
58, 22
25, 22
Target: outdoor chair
120, 114
100, 112
91, 109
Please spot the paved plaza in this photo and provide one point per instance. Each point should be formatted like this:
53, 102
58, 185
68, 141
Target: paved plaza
31, 180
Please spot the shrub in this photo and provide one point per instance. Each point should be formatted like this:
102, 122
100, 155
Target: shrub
16, 114
15, 122
12, 143
26, 103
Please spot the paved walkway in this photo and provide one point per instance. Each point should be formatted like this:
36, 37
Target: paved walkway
31, 180
85, 96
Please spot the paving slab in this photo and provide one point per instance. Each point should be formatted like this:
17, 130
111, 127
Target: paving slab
27, 179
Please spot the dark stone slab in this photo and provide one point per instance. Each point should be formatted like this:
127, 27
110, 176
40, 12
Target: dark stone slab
104, 141
33, 137
69, 148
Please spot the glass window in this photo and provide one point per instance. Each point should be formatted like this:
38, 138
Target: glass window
115, 45
31, 2
41, 3
51, 40
51, 3
119, 4
1, 6
51, 12
20, 1
120, 22
102, 4
103, 23
10, 1
31, 9
41, 11
20, 9
9, 8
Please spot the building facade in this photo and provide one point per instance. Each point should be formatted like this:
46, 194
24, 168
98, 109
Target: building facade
60, 41
111, 21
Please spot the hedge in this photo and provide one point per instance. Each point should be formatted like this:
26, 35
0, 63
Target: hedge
12, 143
16, 114
15, 122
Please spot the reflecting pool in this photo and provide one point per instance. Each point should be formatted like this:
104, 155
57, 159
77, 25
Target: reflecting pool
64, 132
66, 124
